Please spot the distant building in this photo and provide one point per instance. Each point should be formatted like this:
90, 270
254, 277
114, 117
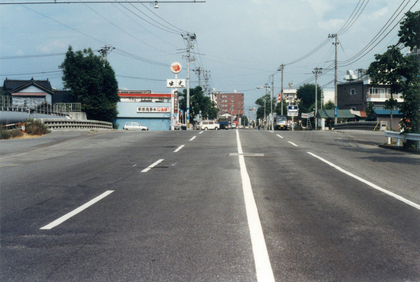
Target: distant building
230, 103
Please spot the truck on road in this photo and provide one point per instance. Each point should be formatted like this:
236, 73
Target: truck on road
223, 122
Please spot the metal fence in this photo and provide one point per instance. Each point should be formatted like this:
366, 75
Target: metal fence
63, 124
6, 104
362, 125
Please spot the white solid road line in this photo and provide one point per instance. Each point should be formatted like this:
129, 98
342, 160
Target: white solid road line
374, 186
76, 211
200, 132
152, 165
293, 144
179, 148
193, 138
280, 136
259, 248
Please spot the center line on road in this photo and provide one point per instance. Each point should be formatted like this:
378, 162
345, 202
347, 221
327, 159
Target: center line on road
193, 138
280, 136
201, 132
76, 211
152, 165
374, 186
179, 148
293, 144
259, 248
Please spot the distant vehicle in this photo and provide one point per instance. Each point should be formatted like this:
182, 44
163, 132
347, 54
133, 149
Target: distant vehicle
209, 125
280, 123
223, 123
233, 125
134, 126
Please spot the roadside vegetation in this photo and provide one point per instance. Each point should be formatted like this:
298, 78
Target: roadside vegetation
32, 128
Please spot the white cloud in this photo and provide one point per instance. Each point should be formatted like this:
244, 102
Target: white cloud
378, 14
331, 25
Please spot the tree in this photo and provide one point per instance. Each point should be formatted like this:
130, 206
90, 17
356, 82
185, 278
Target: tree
388, 69
370, 108
409, 32
263, 102
92, 81
306, 94
198, 102
329, 105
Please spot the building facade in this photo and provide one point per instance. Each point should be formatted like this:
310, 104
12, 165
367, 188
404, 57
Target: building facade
230, 103
149, 109
355, 95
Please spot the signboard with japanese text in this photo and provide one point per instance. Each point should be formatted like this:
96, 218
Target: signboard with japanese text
153, 109
175, 83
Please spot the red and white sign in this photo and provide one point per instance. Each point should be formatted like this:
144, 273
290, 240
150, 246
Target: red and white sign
279, 98
176, 67
153, 109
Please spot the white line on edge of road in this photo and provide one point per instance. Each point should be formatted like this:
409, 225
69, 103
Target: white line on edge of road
76, 211
280, 136
374, 186
259, 248
179, 148
193, 138
293, 144
152, 165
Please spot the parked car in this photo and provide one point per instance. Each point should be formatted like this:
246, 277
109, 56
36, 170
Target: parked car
134, 126
209, 124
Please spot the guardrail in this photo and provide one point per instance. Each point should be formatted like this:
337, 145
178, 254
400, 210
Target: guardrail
401, 137
62, 124
362, 125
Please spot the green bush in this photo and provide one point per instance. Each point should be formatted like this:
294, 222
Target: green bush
16, 133
5, 134
36, 127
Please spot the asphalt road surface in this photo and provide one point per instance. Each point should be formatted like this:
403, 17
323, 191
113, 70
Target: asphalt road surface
227, 205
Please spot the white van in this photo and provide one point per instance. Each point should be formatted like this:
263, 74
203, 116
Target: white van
209, 125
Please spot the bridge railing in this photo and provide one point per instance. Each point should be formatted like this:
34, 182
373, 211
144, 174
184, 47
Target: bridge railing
401, 137
362, 125
66, 124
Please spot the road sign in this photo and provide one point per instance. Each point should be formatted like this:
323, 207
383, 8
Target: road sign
292, 111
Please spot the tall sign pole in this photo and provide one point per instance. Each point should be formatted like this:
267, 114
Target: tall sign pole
175, 68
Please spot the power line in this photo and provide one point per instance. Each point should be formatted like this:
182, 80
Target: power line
366, 49
98, 2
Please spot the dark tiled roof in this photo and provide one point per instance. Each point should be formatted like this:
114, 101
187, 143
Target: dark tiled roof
331, 114
11, 84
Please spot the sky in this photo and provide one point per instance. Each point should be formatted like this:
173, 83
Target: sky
240, 43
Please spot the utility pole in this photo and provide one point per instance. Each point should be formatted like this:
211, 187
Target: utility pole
189, 38
198, 72
105, 50
281, 68
316, 71
335, 76
206, 85
271, 102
